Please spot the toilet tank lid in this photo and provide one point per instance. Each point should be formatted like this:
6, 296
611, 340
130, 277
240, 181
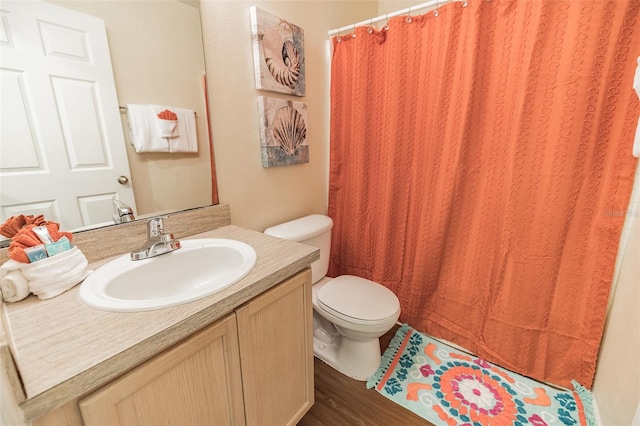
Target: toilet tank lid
302, 229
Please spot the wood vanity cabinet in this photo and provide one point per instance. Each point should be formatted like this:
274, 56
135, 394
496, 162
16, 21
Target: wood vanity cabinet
253, 367
196, 382
276, 353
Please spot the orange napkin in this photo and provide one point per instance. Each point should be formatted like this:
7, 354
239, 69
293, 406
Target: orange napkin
27, 238
11, 226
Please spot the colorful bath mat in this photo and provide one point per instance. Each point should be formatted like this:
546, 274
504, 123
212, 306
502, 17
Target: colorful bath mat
449, 387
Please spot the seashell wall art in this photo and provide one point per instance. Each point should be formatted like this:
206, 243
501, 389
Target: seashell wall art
278, 53
283, 132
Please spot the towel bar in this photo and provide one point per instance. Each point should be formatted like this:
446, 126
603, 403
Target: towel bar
124, 109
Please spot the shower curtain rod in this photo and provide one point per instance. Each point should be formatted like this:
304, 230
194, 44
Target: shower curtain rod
408, 10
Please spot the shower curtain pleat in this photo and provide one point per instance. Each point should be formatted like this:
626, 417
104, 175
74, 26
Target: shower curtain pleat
481, 168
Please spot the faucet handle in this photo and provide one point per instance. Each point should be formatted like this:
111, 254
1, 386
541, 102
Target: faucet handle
156, 226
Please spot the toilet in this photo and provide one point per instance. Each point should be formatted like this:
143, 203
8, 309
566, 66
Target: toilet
349, 313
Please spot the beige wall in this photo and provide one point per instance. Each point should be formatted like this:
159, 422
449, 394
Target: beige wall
390, 6
157, 61
617, 384
261, 197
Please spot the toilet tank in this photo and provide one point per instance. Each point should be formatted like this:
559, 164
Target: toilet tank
313, 230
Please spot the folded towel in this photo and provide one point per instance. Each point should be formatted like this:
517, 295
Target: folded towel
187, 140
167, 128
636, 87
13, 284
144, 130
152, 132
56, 274
167, 123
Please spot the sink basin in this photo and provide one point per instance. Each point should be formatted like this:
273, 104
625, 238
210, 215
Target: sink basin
200, 268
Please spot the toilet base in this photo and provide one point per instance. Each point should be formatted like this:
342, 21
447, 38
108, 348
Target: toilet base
356, 359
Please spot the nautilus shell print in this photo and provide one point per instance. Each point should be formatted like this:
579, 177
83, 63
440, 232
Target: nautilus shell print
285, 70
283, 132
278, 50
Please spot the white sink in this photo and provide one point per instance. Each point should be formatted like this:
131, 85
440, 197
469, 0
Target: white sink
200, 268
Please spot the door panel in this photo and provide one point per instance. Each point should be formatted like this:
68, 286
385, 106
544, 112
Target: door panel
59, 117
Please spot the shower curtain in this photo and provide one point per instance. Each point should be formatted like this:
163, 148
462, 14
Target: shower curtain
481, 168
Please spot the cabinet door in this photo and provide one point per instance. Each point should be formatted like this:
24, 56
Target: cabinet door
276, 353
197, 382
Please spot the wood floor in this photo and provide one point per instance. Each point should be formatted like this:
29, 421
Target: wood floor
342, 401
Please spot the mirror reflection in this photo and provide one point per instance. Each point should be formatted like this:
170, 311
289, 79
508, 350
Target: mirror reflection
69, 70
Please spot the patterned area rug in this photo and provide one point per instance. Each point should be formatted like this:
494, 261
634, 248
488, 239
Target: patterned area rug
449, 387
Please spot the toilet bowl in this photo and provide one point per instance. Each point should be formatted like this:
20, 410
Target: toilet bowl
349, 313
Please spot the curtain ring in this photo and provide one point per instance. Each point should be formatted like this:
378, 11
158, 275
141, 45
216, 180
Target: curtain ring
436, 12
354, 31
370, 29
386, 24
408, 19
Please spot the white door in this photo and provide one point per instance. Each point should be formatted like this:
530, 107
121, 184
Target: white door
62, 147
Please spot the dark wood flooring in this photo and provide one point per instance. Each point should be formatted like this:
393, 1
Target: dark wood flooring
342, 401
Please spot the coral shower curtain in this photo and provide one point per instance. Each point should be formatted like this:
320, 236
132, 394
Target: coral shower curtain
481, 168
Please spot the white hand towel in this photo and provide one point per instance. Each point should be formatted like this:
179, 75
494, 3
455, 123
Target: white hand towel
636, 87
143, 127
167, 128
13, 284
152, 134
187, 140
56, 274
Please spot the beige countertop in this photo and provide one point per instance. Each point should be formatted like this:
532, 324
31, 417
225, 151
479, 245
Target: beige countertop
64, 349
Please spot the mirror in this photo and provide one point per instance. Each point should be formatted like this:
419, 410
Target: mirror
157, 57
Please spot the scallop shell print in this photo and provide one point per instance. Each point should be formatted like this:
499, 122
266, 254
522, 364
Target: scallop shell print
285, 70
289, 129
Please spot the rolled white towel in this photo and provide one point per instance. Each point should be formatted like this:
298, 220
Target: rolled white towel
56, 274
13, 284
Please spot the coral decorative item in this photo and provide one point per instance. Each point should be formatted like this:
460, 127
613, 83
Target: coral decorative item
167, 124
167, 115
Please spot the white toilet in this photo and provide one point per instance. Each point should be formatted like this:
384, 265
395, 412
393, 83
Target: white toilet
349, 313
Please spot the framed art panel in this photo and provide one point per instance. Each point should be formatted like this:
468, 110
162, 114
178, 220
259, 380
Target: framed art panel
278, 54
283, 132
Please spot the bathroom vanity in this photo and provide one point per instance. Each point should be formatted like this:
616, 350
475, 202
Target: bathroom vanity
240, 356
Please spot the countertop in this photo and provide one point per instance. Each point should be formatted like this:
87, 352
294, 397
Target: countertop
64, 349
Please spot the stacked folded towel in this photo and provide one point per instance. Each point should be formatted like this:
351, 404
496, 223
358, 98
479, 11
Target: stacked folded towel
43, 262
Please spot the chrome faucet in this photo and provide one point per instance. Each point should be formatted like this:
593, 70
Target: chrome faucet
158, 243
124, 213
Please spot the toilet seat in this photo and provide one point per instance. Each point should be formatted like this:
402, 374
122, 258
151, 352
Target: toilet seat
358, 300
